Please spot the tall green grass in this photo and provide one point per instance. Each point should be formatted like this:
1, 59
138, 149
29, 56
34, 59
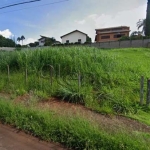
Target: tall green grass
109, 78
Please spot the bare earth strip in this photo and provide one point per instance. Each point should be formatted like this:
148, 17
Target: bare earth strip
108, 122
11, 139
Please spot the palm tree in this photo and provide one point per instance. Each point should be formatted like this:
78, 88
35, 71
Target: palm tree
22, 38
147, 23
18, 39
142, 23
136, 33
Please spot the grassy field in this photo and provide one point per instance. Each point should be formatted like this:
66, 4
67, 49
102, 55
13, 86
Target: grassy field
104, 80
107, 81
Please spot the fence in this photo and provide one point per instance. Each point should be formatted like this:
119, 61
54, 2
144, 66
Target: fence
142, 87
51, 77
56, 74
111, 44
122, 44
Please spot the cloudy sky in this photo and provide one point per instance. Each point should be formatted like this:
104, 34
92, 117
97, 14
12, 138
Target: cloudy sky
54, 18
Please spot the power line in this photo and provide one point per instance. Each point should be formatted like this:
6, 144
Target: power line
19, 4
35, 6
9, 3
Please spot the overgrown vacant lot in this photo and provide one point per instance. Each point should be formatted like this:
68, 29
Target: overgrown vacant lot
106, 81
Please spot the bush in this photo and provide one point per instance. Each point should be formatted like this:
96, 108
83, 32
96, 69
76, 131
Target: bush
124, 38
18, 45
133, 37
87, 42
77, 43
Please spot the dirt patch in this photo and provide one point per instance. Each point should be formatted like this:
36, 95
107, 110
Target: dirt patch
11, 139
111, 122
107, 122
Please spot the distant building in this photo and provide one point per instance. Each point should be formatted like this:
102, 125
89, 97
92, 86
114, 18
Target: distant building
111, 34
74, 37
42, 40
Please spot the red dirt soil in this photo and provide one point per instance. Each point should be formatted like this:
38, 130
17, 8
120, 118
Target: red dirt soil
11, 139
111, 122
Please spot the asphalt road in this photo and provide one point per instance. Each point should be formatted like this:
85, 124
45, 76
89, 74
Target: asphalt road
11, 139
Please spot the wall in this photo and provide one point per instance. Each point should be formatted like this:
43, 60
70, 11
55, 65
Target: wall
73, 37
122, 44
7, 48
41, 42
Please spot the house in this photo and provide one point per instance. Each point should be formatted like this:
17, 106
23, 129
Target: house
74, 37
111, 34
42, 40
47, 41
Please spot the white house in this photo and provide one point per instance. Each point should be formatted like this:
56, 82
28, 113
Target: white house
42, 40
74, 36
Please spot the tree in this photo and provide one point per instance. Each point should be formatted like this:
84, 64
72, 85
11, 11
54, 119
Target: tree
5, 42
147, 22
22, 38
18, 39
88, 40
136, 33
34, 44
141, 23
124, 38
49, 41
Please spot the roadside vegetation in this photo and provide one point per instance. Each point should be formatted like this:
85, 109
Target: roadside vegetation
106, 81
74, 132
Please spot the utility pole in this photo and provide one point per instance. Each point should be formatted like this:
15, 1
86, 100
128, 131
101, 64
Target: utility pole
15, 40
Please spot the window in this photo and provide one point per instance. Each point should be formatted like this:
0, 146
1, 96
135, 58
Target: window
105, 37
67, 41
118, 35
79, 40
